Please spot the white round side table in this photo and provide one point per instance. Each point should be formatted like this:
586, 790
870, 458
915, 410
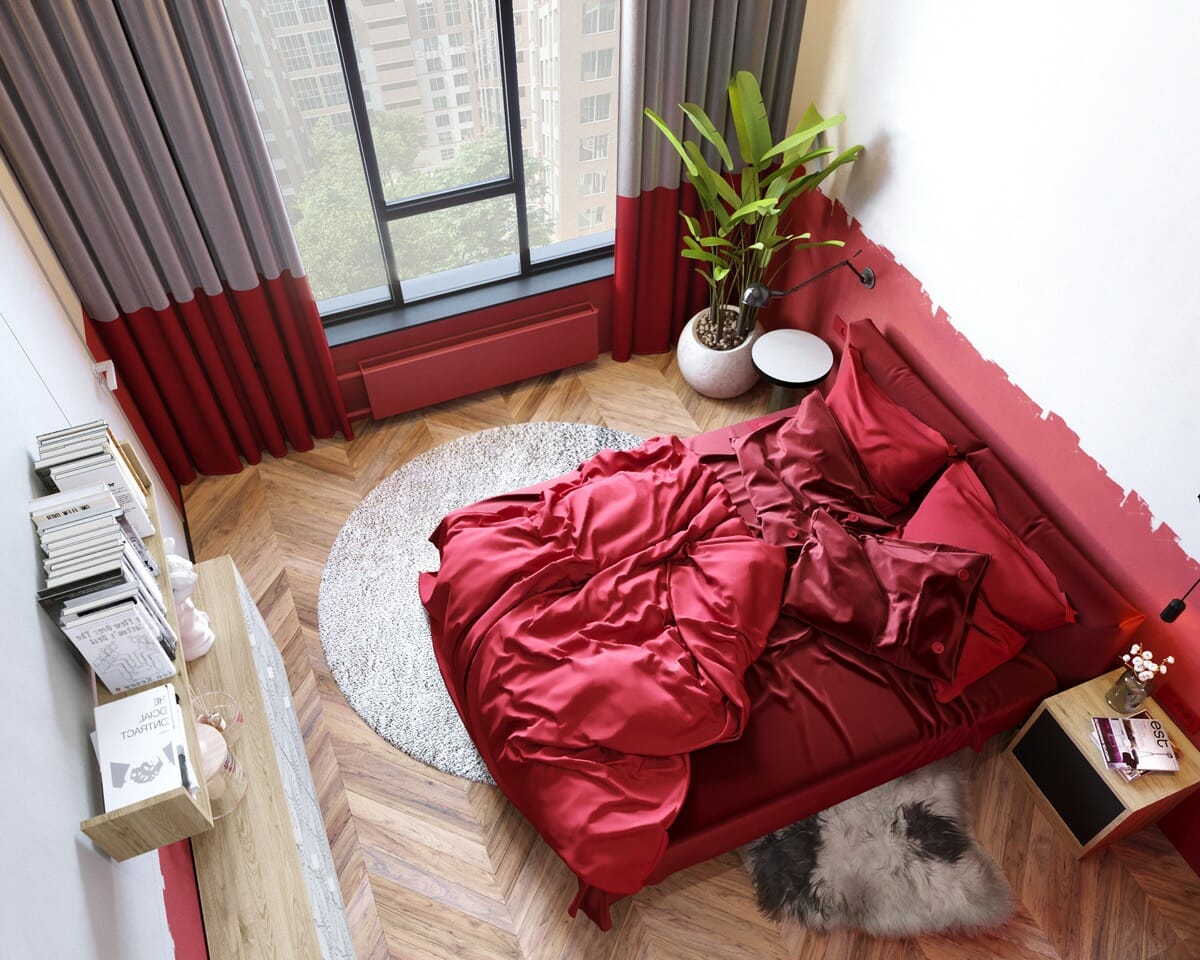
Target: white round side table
793, 360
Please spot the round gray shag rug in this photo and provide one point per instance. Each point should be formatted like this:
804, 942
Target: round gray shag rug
372, 624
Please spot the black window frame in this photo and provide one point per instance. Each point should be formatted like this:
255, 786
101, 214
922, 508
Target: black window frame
512, 184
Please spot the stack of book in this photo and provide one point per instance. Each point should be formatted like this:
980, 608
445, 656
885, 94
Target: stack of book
89, 454
1134, 745
101, 585
142, 747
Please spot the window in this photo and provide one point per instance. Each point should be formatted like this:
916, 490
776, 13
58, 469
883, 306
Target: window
323, 47
313, 11
282, 13
596, 64
599, 16
308, 93
333, 88
295, 53
593, 148
595, 108
591, 218
450, 190
592, 182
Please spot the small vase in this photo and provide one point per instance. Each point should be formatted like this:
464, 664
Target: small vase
1128, 693
720, 374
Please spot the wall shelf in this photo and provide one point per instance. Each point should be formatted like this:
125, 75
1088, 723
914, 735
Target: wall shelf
177, 814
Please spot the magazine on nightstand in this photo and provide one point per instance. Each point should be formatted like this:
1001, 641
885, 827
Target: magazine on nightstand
1134, 745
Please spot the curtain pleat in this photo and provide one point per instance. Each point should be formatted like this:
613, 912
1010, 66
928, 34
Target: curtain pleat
129, 125
662, 65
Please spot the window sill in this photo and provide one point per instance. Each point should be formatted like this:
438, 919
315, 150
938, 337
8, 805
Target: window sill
507, 291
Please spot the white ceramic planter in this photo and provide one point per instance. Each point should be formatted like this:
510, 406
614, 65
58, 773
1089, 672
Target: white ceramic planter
719, 374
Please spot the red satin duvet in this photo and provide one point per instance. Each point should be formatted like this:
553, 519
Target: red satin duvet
596, 630
593, 632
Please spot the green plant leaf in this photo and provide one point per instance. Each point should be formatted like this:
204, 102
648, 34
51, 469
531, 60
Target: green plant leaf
715, 185
690, 254
801, 139
749, 117
708, 130
671, 139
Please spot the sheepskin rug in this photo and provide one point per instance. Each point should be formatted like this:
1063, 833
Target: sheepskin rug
895, 861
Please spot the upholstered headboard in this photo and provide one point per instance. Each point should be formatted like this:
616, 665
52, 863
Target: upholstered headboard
1106, 619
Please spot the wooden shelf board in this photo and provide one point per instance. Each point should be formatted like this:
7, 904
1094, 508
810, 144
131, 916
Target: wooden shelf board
252, 887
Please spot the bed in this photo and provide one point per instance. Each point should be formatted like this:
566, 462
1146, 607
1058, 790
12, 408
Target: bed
674, 650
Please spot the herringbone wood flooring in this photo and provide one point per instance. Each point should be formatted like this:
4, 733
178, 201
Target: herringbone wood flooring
432, 866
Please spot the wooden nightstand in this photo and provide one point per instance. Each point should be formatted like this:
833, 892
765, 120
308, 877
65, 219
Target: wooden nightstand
1091, 805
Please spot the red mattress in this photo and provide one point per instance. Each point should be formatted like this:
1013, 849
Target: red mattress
827, 719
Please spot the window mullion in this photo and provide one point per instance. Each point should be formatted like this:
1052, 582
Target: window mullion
512, 117
366, 142
444, 199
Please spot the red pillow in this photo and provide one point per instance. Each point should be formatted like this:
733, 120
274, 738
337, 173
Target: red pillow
898, 451
906, 603
1018, 593
792, 467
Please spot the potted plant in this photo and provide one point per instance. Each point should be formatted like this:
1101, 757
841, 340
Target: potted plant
737, 234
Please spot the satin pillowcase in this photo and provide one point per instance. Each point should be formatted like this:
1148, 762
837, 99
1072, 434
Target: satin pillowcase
1018, 594
906, 603
898, 451
795, 466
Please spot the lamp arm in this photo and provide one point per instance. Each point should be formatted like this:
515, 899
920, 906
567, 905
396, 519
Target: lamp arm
866, 276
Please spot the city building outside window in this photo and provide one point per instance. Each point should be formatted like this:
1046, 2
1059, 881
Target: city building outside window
599, 16
596, 65
395, 200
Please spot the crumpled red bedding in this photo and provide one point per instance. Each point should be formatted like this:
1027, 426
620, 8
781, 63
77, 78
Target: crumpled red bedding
593, 633
596, 630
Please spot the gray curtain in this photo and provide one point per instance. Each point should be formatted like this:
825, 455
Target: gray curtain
130, 128
675, 51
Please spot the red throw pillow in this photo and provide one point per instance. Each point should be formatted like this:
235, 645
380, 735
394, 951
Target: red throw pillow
794, 466
899, 451
1018, 593
906, 603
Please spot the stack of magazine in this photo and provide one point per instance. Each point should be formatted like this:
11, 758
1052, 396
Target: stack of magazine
1134, 745
83, 456
101, 582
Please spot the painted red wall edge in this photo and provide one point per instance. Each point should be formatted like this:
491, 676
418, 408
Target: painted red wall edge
1146, 564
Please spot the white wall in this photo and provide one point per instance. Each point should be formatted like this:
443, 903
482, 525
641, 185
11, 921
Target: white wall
59, 897
1034, 165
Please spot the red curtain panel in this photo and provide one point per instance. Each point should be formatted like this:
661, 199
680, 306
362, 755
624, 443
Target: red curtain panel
130, 128
684, 50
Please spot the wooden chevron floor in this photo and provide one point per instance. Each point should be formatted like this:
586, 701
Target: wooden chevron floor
432, 866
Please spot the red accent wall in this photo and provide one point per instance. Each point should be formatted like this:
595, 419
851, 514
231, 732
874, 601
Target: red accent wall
182, 899
1147, 564
349, 357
